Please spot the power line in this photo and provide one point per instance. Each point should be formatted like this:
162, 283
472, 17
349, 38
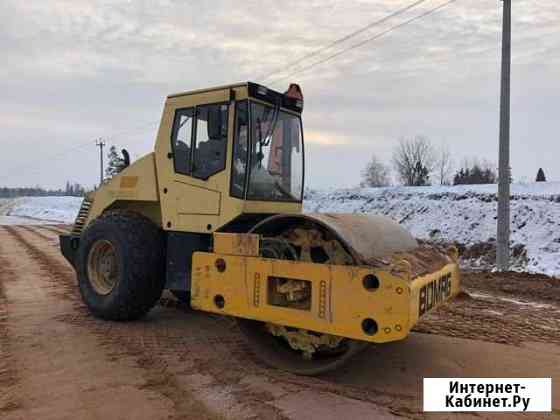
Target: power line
49, 158
63, 153
361, 43
137, 128
344, 38
300, 70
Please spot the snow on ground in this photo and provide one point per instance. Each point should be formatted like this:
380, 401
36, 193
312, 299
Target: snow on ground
52, 209
462, 214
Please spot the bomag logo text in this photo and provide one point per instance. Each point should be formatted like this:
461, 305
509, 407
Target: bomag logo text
433, 293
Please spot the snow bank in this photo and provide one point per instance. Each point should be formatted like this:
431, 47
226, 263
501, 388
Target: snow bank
463, 214
55, 209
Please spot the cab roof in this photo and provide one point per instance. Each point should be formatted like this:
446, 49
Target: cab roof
254, 90
210, 89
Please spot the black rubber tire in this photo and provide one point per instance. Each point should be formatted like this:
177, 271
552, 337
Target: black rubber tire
139, 249
182, 296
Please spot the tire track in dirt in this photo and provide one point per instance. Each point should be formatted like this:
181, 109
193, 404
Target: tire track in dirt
518, 285
206, 353
54, 229
484, 312
122, 340
213, 352
62, 285
33, 231
9, 400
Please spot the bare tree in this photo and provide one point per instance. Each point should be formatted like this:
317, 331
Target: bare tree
414, 159
375, 174
444, 165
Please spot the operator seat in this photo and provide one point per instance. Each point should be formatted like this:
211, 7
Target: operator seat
211, 153
182, 157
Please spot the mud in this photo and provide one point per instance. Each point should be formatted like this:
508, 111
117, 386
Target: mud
510, 308
177, 363
481, 256
536, 287
426, 259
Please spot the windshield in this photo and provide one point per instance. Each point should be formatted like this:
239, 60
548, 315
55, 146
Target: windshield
276, 171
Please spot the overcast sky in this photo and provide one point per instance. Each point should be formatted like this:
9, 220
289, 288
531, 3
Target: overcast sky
73, 71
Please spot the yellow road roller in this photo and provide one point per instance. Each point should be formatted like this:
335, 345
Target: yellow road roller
214, 214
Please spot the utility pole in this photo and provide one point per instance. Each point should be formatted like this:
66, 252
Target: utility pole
504, 173
100, 143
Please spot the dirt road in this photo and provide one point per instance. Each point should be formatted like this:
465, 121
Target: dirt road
57, 362
15, 220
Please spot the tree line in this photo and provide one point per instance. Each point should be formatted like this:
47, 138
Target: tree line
71, 189
416, 162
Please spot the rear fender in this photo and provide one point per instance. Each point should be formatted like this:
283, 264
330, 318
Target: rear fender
135, 188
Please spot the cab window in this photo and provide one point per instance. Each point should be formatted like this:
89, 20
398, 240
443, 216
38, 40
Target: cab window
276, 159
210, 144
181, 140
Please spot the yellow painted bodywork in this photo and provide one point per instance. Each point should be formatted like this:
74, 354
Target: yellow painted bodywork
180, 202
189, 204
236, 244
135, 188
339, 300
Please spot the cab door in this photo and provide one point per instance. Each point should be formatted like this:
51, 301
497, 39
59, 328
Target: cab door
192, 158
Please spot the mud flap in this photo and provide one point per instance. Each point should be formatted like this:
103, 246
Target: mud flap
69, 247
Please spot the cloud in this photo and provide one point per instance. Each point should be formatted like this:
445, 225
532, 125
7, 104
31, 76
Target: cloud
77, 70
323, 138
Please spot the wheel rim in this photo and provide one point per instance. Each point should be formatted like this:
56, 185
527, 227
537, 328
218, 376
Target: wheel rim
102, 267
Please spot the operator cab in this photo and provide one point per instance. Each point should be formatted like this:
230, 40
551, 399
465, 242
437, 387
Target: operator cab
229, 151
